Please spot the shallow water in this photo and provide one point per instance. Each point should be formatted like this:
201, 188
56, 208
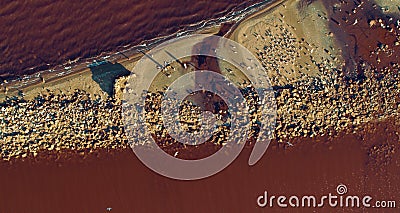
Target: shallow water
38, 35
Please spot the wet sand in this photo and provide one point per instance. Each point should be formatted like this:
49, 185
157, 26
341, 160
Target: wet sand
116, 179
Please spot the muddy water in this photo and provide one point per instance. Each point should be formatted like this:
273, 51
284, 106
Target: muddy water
37, 35
361, 41
366, 162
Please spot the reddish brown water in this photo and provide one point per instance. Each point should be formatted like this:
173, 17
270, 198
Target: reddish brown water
37, 33
117, 179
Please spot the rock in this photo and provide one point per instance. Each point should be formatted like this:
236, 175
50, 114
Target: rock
372, 22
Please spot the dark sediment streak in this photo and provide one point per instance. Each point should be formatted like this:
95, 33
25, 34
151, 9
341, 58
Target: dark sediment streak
366, 162
205, 100
38, 35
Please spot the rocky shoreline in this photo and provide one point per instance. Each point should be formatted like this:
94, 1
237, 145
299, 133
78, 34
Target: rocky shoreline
315, 96
78, 121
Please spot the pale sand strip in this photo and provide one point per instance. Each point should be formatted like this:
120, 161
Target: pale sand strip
77, 80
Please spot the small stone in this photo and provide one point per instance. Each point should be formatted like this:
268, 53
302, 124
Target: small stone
371, 22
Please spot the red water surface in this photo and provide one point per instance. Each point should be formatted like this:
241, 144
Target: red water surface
40, 32
367, 162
